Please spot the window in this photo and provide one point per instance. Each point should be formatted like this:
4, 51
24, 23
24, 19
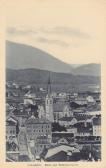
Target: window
13, 132
10, 131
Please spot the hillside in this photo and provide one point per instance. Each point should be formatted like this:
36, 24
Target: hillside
20, 56
88, 69
59, 81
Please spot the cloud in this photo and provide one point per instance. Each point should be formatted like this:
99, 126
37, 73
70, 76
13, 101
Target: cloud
20, 31
59, 30
52, 41
60, 36
67, 31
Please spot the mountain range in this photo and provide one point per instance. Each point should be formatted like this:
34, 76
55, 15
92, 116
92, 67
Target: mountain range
21, 56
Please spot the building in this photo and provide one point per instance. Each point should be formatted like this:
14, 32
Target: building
21, 116
39, 135
41, 111
61, 109
42, 143
11, 128
72, 130
49, 104
12, 156
58, 136
80, 101
30, 98
83, 128
90, 100
36, 127
61, 152
96, 126
67, 121
49, 108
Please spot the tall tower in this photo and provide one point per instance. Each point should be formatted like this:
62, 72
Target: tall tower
49, 103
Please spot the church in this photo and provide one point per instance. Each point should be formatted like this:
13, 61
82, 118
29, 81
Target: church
56, 110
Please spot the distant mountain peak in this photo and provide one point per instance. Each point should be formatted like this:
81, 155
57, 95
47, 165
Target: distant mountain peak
21, 56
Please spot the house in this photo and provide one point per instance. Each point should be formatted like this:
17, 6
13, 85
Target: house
97, 126
67, 121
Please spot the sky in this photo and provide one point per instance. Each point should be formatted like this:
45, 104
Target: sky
72, 31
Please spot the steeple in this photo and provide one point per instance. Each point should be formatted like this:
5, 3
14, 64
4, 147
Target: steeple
49, 102
49, 86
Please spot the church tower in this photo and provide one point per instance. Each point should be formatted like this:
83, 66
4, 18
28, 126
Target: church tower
49, 103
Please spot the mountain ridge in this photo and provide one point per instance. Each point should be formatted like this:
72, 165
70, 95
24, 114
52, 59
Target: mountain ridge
21, 56
59, 81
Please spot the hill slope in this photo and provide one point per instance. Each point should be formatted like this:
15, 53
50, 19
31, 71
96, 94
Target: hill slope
59, 81
88, 69
20, 56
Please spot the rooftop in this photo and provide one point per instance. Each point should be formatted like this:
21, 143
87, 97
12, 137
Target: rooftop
33, 120
66, 148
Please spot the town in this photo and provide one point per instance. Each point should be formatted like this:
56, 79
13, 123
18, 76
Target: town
43, 125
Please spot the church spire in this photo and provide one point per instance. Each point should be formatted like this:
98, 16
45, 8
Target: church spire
49, 102
49, 85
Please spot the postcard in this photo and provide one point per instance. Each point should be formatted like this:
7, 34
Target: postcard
52, 83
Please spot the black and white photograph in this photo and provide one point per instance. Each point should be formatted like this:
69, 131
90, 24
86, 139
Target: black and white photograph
53, 81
